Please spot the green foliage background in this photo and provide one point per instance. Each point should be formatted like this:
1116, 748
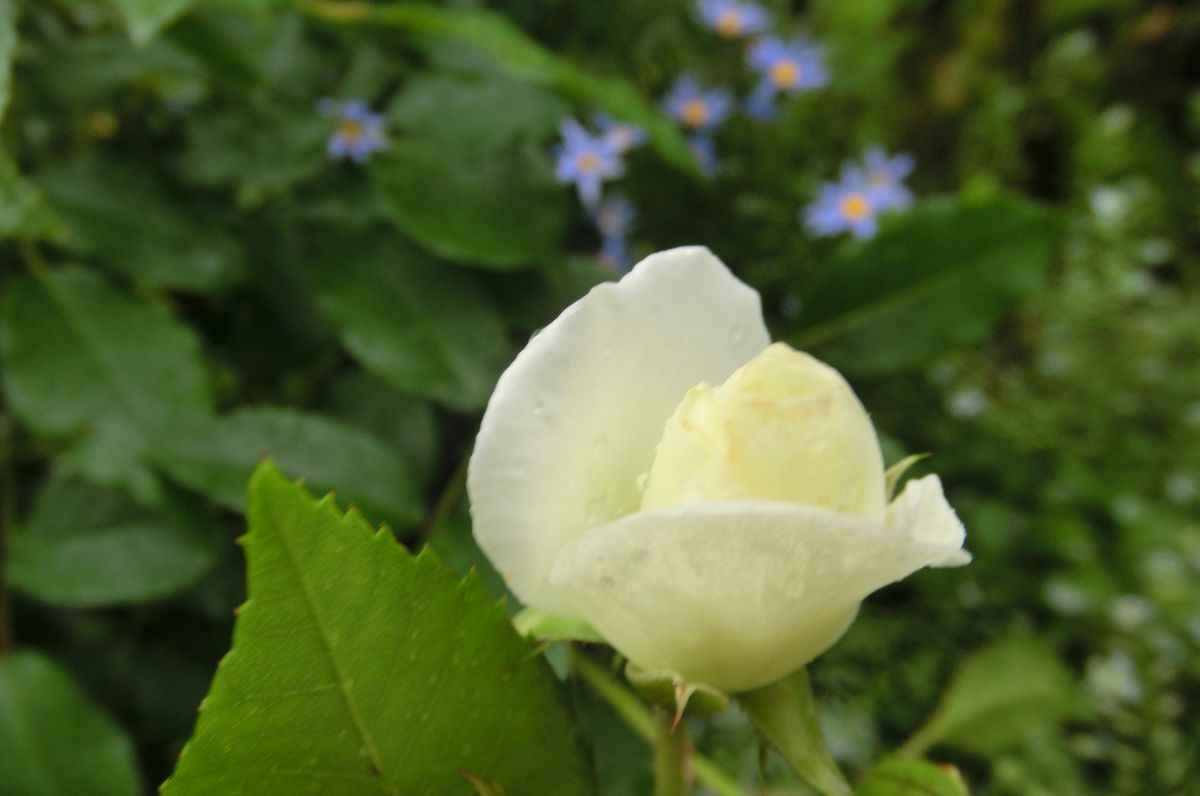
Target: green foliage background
189, 283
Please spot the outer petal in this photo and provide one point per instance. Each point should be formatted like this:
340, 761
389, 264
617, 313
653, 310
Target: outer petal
575, 419
734, 595
921, 512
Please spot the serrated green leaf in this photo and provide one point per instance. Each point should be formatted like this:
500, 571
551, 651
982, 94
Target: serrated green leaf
85, 546
427, 328
999, 695
148, 235
391, 677
522, 57
785, 713
901, 777
54, 741
493, 205
145, 18
937, 277
218, 458
81, 358
8, 51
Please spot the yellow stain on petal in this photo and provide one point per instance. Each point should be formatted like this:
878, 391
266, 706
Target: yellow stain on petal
695, 113
588, 162
785, 74
729, 24
855, 207
350, 130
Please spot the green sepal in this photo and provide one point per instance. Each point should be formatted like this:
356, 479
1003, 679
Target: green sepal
891, 478
673, 692
532, 623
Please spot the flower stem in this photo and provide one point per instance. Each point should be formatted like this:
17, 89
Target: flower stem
671, 753
639, 718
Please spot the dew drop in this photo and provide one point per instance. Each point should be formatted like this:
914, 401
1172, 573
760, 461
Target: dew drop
606, 350
642, 481
737, 334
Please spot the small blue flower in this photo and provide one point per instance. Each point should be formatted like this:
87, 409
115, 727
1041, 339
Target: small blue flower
786, 67
705, 152
731, 18
885, 174
696, 108
613, 219
622, 136
586, 160
849, 205
359, 131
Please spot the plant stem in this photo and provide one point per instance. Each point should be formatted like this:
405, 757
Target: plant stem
639, 718
671, 754
448, 500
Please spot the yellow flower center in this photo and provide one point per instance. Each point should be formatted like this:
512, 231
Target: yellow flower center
588, 162
695, 113
730, 23
785, 74
855, 207
350, 129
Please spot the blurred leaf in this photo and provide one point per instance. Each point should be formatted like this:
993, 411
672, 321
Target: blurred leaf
147, 235
409, 424
23, 209
489, 204
898, 776
425, 327
81, 358
469, 110
101, 69
937, 277
8, 50
785, 713
55, 741
260, 145
145, 18
218, 458
414, 680
84, 545
493, 34
999, 695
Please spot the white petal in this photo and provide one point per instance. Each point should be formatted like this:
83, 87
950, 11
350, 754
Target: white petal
735, 595
922, 512
575, 419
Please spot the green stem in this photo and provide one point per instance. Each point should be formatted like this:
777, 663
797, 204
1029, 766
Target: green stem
448, 500
639, 718
670, 757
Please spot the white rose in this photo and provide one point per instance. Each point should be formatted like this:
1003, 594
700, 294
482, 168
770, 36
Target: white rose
713, 505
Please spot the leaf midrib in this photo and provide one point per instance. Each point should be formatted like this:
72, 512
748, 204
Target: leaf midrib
327, 644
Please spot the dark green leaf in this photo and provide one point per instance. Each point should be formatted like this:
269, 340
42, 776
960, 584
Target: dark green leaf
218, 458
147, 235
493, 34
81, 358
786, 715
999, 695
902, 777
23, 208
390, 676
937, 277
55, 742
425, 327
490, 204
84, 545
145, 18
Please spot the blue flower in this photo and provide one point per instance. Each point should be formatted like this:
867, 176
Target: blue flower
613, 219
705, 153
786, 67
586, 160
849, 205
731, 18
622, 136
359, 131
696, 108
885, 174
